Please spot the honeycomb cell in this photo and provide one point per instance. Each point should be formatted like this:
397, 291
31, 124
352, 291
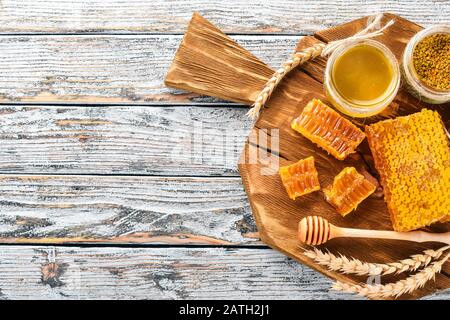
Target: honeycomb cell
328, 129
300, 178
348, 190
412, 156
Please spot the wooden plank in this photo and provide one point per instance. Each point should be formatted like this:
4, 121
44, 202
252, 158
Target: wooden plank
126, 69
36, 272
182, 141
114, 209
155, 273
239, 16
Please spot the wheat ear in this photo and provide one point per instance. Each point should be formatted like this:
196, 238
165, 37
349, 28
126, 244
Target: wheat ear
297, 59
395, 289
354, 266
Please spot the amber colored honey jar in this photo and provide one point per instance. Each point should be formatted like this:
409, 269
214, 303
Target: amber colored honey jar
362, 79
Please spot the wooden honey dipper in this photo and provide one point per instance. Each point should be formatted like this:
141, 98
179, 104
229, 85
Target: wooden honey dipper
314, 230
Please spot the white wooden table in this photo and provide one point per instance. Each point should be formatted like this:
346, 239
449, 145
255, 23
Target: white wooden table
107, 189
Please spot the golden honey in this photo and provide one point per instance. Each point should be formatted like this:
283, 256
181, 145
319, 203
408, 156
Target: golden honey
362, 79
362, 75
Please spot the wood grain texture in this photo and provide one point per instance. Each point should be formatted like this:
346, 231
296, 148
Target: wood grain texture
77, 69
182, 141
62, 209
158, 273
237, 16
124, 69
37, 272
209, 62
276, 215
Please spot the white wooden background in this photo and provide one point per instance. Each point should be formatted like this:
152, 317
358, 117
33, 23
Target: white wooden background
104, 190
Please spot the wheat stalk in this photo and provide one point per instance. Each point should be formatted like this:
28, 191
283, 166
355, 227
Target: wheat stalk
358, 267
395, 289
296, 59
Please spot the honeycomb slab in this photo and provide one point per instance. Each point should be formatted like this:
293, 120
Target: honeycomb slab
412, 156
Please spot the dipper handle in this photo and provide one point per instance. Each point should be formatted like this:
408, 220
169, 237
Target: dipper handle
314, 230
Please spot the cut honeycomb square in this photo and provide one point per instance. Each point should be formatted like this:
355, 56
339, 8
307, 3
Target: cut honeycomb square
300, 178
348, 190
328, 129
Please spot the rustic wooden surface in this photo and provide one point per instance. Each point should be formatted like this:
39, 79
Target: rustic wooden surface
96, 150
158, 273
105, 69
233, 16
182, 210
122, 140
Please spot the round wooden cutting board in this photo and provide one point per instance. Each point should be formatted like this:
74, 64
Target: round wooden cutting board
206, 54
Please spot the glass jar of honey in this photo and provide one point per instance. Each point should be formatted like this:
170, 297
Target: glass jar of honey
362, 79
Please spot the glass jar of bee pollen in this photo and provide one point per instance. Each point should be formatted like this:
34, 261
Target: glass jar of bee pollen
362, 79
414, 84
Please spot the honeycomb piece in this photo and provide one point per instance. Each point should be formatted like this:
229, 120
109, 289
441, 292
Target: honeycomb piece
348, 190
300, 178
412, 155
328, 129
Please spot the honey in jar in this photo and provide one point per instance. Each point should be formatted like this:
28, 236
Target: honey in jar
362, 79
362, 74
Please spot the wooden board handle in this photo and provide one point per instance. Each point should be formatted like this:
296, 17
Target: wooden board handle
209, 62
